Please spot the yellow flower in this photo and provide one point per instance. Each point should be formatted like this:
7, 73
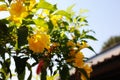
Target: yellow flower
3, 7
70, 60
82, 46
20, 0
55, 19
88, 70
70, 43
32, 4
43, 29
72, 29
71, 55
17, 11
72, 52
52, 77
55, 44
78, 62
38, 42
44, 13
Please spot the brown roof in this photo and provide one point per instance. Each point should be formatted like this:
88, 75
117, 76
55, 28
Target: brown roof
105, 55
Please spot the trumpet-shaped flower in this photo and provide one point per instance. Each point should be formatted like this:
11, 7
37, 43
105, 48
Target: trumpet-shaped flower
38, 42
17, 11
82, 46
55, 19
53, 77
3, 7
44, 13
88, 69
70, 43
32, 4
78, 62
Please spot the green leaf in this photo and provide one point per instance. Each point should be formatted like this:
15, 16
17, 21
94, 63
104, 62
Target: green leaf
3, 28
2, 0
40, 22
69, 9
2, 74
28, 21
20, 66
50, 67
7, 65
22, 36
77, 33
50, 26
63, 13
64, 73
2, 50
55, 72
43, 74
91, 49
84, 73
5, 69
21, 76
90, 37
30, 69
82, 19
45, 5
9, 1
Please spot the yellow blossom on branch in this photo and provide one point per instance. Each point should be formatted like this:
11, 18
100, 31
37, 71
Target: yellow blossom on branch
38, 42
55, 19
72, 52
82, 45
88, 70
78, 61
32, 4
44, 13
70, 43
17, 11
3, 7
53, 77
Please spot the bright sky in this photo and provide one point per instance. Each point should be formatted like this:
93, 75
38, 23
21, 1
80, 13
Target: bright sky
103, 17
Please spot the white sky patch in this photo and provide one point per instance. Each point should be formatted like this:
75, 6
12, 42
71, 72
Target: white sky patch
4, 14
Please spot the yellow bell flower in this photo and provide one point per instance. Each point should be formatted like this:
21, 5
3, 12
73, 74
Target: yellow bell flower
55, 19
32, 4
72, 52
52, 77
78, 61
83, 45
17, 11
88, 69
44, 13
70, 43
3, 7
38, 42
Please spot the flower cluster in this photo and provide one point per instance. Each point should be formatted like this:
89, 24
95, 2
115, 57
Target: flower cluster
36, 33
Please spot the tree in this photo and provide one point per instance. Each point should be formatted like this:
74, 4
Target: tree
111, 42
38, 31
